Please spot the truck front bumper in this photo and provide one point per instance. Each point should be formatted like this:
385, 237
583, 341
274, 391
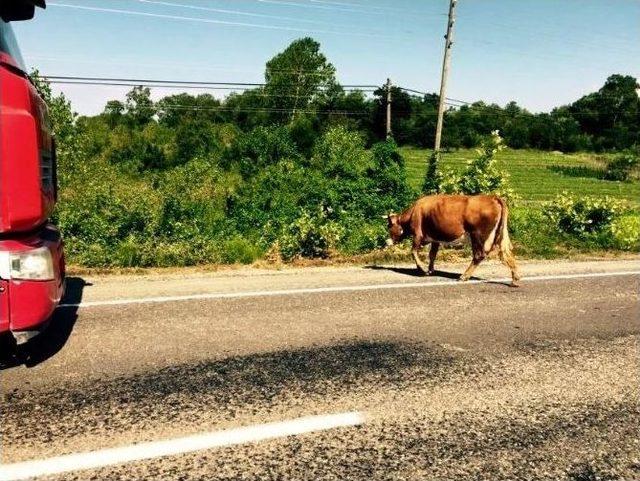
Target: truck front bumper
26, 305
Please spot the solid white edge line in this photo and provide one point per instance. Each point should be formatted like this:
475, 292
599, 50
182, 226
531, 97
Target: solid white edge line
171, 447
319, 290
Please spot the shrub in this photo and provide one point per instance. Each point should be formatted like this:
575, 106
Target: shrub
133, 152
105, 210
389, 177
432, 181
340, 155
260, 148
626, 232
273, 199
194, 138
533, 234
362, 236
311, 235
239, 250
304, 209
621, 166
481, 176
583, 216
304, 131
192, 199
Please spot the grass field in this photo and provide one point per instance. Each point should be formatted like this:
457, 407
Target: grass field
536, 176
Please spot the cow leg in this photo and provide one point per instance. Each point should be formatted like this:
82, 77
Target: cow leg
478, 256
507, 258
415, 251
433, 252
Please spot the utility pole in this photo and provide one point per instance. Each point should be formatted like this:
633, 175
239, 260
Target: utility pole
445, 73
388, 109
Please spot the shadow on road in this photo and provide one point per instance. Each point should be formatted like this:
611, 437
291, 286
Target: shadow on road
226, 385
52, 339
414, 272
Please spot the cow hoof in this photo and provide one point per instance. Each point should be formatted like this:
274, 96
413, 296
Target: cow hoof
463, 279
515, 283
431, 272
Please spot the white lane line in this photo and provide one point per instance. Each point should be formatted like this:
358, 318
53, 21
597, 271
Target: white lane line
319, 290
172, 447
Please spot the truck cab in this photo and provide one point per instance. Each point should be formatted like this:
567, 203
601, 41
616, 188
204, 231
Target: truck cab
31, 251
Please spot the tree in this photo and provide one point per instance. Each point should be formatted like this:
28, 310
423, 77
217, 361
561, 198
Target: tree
296, 77
139, 106
612, 114
176, 109
348, 109
248, 109
401, 112
194, 138
113, 113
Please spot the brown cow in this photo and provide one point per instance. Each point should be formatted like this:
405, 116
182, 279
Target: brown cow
449, 219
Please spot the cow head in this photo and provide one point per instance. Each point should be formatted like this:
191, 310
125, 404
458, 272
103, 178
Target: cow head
396, 231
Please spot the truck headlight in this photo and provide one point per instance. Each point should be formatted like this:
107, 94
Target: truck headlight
34, 265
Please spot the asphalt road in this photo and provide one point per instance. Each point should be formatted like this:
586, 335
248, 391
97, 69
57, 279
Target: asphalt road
452, 381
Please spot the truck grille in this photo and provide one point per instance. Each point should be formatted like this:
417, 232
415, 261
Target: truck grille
47, 174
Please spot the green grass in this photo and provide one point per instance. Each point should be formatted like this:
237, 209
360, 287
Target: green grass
536, 176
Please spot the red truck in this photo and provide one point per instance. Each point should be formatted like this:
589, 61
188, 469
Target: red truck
32, 266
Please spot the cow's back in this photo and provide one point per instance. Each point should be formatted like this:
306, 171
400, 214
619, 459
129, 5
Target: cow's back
447, 218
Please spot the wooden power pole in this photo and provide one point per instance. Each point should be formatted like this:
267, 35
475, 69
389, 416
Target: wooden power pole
445, 73
388, 109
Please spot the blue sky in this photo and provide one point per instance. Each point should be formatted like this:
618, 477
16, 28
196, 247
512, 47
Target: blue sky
540, 53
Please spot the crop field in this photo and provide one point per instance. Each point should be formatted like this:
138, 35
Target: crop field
535, 175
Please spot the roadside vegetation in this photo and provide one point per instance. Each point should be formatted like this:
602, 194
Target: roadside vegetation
300, 168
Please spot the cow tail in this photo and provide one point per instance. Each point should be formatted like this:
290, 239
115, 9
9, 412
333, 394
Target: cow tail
503, 241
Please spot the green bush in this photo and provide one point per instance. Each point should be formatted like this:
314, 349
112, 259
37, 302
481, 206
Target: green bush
621, 166
273, 199
583, 216
363, 236
594, 223
344, 182
389, 177
533, 234
133, 152
311, 235
481, 175
626, 232
239, 250
304, 131
258, 149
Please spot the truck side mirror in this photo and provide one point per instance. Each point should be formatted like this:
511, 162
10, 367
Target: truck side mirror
15, 10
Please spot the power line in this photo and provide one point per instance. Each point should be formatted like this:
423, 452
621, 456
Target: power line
179, 107
233, 12
186, 87
161, 82
249, 86
318, 7
252, 110
212, 21
346, 7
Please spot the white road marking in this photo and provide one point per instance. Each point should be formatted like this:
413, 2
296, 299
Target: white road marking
172, 447
320, 290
